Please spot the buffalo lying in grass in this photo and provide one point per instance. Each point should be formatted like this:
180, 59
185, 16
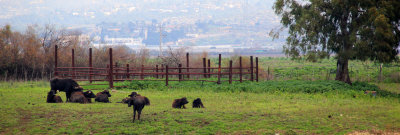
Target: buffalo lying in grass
66, 85
82, 97
138, 103
180, 103
53, 98
197, 103
125, 100
89, 95
133, 94
103, 96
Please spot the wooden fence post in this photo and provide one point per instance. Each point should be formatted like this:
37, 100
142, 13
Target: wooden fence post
111, 83
116, 70
219, 69
90, 65
204, 68
209, 68
166, 75
251, 68
127, 71
240, 69
256, 69
141, 72
180, 72
157, 71
268, 74
73, 63
187, 65
162, 70
55, 60
230, 72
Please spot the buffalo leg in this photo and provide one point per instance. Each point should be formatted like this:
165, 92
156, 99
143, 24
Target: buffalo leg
139, 112
68, 95
134, 115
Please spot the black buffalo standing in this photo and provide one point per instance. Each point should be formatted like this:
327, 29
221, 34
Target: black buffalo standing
180, 103
138, 103
197, 103
66, 85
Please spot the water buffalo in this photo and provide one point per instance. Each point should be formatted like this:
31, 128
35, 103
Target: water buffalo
197, 103
133, 94
53, 98
82, 97
126, 100
103, 96
66, 85
179, 103
138, 103
89, 95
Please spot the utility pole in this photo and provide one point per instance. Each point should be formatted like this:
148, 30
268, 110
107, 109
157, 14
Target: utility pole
161, 37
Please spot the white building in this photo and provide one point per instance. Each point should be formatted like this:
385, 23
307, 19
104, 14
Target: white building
130, 42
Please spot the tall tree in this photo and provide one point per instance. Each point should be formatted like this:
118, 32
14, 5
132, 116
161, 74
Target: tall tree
351, 29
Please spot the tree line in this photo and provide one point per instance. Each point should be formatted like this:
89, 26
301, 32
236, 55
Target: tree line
29, 55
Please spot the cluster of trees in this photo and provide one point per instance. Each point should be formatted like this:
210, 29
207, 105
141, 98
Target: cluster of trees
351, 29
29, 55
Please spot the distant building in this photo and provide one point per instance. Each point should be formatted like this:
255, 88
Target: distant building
129, 42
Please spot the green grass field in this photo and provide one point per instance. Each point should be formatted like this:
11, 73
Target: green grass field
325, 69
270, 107
282, 68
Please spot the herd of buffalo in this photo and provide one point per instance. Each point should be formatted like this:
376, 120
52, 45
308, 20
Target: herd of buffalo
75, 94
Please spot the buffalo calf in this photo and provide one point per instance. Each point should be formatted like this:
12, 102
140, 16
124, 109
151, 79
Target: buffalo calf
138, 103
53, 98
197, 103
125, 100
89, 95
180, 103
103, 96
133, 94
82, 97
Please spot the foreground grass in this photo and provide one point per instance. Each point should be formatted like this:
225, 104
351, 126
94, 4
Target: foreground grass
229, 110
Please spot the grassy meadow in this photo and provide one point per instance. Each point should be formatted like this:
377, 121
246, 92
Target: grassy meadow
366, 71
267, 107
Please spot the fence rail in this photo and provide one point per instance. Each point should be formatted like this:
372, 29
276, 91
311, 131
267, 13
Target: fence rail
165, 73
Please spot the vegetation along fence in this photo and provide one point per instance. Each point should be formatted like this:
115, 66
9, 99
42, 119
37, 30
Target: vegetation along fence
158, 72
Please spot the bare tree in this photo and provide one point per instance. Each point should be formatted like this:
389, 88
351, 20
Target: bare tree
143, 55
174, 57
52, 36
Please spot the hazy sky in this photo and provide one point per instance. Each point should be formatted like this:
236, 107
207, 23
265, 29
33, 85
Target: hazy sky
20, 13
